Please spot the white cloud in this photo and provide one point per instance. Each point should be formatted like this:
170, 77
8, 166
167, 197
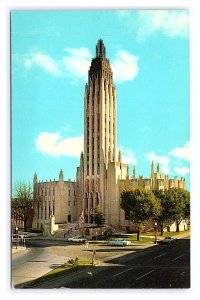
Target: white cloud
166, 163
124, 66
181, 170
128, 157
44, 61
156, 158
165, 169
77, 62
182, 152
162, 160
172, 23
55, 145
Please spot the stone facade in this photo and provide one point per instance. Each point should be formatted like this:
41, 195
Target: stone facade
54, 198
102, 175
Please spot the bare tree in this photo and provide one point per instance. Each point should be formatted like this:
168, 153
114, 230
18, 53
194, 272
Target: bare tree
22, 202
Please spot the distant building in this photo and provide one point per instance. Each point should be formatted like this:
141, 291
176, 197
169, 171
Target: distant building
102, 175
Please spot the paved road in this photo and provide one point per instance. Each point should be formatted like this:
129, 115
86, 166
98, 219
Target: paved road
43, 255
159, 267
40, 257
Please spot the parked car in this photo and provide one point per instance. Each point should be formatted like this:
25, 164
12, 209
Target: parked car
119, 242
168, 240
20, 236
24, 236
76, 239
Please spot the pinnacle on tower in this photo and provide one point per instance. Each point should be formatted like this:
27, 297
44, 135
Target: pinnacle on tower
100, 49
158, 168
127, 171
61, 175
152, 169
81, 159
35, 179
119, 156
134, 172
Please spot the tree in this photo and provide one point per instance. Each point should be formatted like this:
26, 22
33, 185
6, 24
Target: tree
179, 205
175, 206
166, 216
186, 196
22, 202
99, 217
141, 205
162, 217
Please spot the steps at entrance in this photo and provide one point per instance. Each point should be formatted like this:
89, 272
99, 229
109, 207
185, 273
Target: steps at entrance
67, 230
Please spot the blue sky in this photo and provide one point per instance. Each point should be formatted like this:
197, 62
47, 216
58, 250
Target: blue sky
51, 54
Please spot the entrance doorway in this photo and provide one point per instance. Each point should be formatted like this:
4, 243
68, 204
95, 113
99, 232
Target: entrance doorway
69, 218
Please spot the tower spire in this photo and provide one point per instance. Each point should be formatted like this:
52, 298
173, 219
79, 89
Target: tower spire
100, 49
134, 172
35, 179
119, 156
61, 175
127, 171
158, 168
152, 169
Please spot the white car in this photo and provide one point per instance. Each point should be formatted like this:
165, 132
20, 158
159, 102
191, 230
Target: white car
76, 240
119, 243
168, 240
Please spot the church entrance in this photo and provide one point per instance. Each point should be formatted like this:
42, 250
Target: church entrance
69, 218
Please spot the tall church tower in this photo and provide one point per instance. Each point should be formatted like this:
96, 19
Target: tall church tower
100, 136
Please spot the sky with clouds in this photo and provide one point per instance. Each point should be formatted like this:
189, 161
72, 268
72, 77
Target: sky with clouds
51, 53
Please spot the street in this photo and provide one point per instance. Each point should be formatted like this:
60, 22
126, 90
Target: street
160, 266
164, 267
43, 255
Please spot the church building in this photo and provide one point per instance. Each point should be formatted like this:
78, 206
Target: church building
101, 175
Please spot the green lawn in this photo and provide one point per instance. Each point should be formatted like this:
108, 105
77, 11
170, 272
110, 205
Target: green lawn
60, 272
132, 238
145, 237
165, 233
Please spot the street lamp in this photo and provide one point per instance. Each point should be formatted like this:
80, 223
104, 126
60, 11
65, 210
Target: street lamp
155, 229
16, 236
86, 247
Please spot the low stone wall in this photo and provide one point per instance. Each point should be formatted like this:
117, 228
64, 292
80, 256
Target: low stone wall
92, 232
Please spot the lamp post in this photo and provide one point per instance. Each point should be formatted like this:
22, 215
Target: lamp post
24, 242
86, 247
155, 229
16, 236
93, 258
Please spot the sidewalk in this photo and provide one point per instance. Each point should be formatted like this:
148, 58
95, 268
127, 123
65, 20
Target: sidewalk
19, 249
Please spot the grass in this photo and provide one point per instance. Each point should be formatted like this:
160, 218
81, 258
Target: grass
59, 272
175, 233
143, 240
165, 233
145, 237
132, 238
